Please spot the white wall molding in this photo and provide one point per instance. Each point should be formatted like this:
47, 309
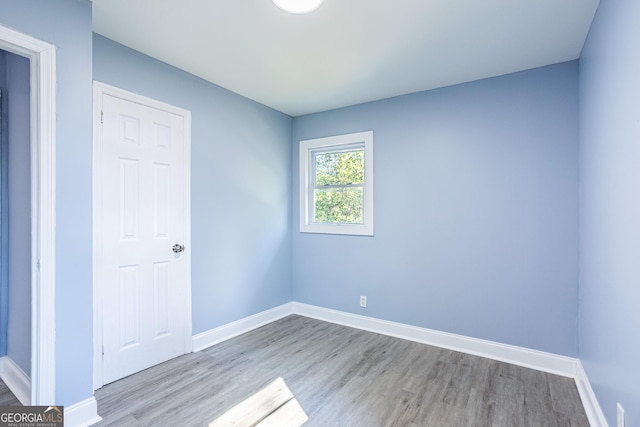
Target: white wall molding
82, 414
14, 377
214, 336
591, 406
541, 361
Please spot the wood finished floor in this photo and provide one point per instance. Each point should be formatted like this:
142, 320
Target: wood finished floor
6, 397
342, 377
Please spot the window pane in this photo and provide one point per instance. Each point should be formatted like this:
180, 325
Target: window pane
339, 168
339, 205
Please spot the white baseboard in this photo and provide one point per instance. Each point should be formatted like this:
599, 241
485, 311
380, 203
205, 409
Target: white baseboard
214, 336
82, 414
591, 406
541, 361
14, 377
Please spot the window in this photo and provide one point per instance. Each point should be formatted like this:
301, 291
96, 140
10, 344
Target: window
336, 184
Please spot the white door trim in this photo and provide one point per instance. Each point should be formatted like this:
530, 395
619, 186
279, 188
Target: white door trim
99, 90
43, 190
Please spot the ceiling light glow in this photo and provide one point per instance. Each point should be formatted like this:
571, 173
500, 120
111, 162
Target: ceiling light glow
298, 6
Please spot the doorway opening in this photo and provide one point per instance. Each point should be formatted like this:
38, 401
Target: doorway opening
15, 225
40, 390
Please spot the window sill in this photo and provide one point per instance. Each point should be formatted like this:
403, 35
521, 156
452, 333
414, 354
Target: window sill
344, 229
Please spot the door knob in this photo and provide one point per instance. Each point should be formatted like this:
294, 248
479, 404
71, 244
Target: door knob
177, 248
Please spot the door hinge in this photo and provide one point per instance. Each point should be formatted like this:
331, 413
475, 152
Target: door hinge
103, 352
102, 117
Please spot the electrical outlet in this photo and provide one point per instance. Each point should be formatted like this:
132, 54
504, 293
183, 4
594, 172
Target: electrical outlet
620, 416
363, 301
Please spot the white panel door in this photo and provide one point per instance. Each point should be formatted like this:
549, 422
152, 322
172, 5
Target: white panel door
144, 280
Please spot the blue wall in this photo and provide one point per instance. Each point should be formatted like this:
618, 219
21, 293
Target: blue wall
67, 25
610, 208
240, 184
4, 207
19, 176
476, 212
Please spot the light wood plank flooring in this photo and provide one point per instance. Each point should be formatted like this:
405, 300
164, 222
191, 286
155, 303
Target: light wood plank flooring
6, 397
342, 377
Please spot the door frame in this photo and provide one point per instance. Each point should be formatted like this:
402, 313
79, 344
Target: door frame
42, 57
99, 90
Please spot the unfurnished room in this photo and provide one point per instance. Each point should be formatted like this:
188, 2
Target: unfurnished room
320, 212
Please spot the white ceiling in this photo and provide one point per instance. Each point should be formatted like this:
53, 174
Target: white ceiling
347, 51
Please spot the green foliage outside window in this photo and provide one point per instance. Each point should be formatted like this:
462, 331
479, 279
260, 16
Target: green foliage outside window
339, 182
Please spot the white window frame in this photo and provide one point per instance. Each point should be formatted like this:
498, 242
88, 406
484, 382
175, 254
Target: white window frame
346, 142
